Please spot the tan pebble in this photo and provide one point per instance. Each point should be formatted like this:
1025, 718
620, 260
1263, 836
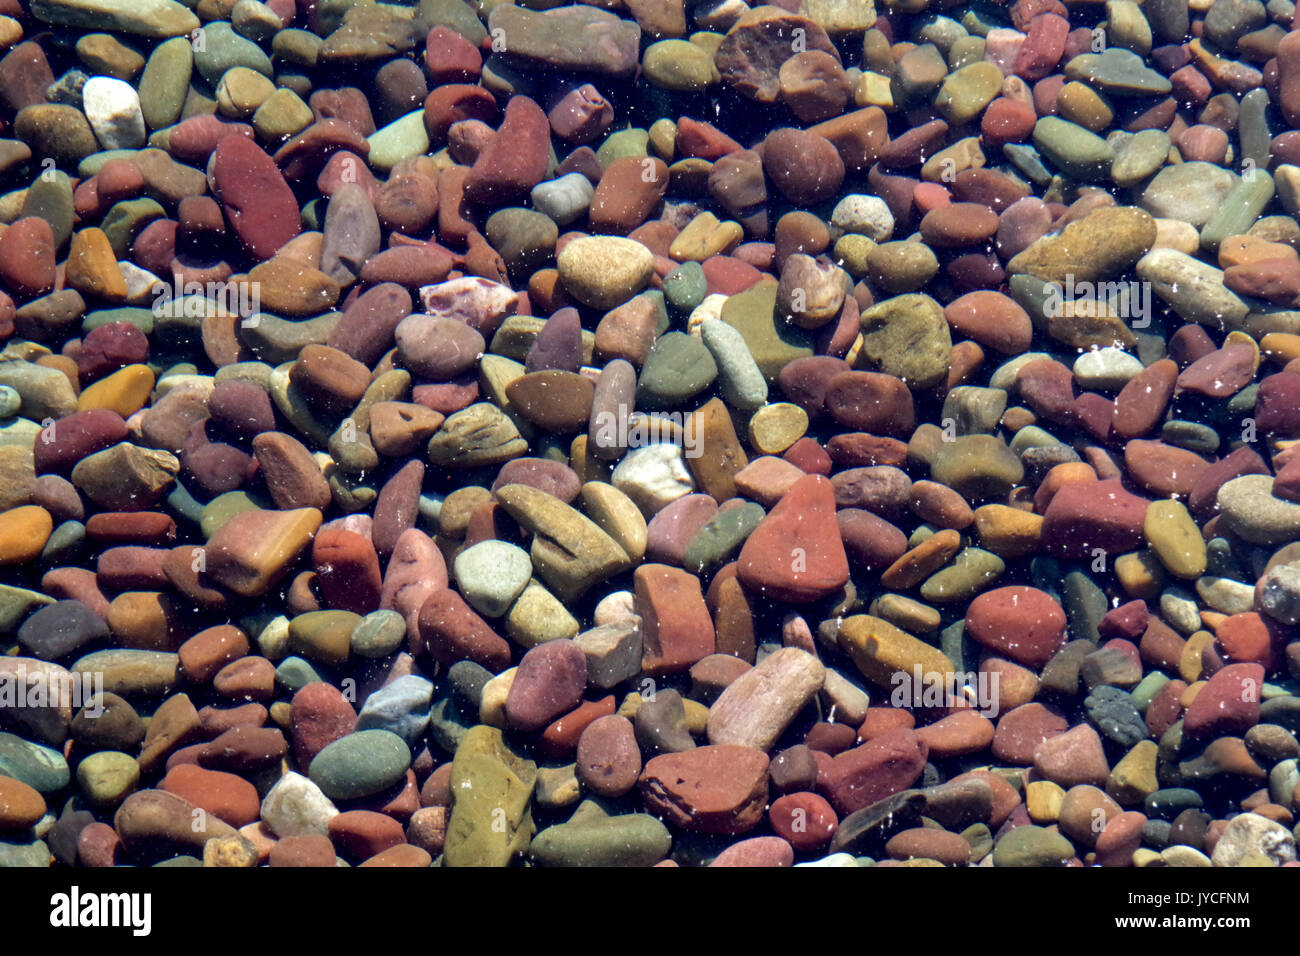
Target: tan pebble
492, 706
1043, 801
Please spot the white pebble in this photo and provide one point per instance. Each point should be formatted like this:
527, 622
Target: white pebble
297, 807
653, 476
113, 109
865, 215
1108, 369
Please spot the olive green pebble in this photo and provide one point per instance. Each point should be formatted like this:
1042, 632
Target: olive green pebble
50, 198
1032, 846
378, 634
224, 49
538, 616
108, 777
1078, 153
10, 402
1139, 156
401, 139
679, 65
627, 142
972, 570
142, 319
300, 47
224, 507
323, 636
591, 837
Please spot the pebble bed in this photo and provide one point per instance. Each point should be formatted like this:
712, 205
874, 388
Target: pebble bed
652, 432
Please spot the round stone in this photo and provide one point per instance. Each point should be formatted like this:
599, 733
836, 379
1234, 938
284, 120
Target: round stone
491, 575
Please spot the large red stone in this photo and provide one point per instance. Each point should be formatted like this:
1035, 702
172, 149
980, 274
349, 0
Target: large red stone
796, 553
318, 715
27, 257
1024, 623
1228, 705
258, 203
675, 624
716, 789
514, 160
347, 570
226, 796
880, 768
1021, 730
549, 682
452, 631
1088, 515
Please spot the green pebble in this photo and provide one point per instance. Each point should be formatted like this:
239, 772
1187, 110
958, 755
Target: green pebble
124, 221
223, 49
224, 507
142, 319
16, 604
592, 838
721, 536
972, 570
401, 139
41, 768
300, 47
679, 65
378, 634
16, 854
63, 542
1147, 688
685, 287
1077, 152
627, 142
1240, 208
1167, 803
294, 674
360, 764
1139, 157
50, 198
1191, 435
1032, 846
772, 341
677, 369
1119, 72
741, 380
10, 401
324, 636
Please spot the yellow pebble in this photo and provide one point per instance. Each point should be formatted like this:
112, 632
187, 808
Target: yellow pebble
1190, 664
873, 89
1281, 347
1043, 801
126, 391
774, 428
1008, 532
23, 533
1193, 691
1140, 574
697, 716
